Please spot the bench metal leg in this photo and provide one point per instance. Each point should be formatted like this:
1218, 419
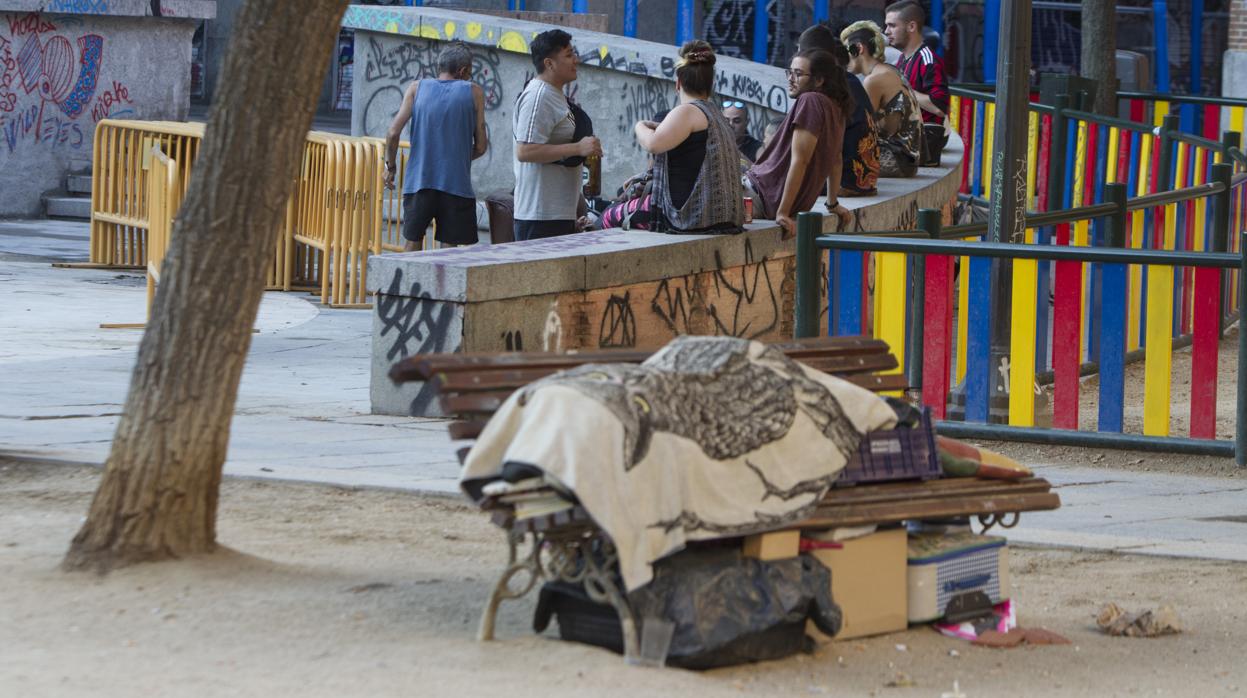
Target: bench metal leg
601, 587
502, 588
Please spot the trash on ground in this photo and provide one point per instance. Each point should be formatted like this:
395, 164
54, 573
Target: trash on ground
1115, 620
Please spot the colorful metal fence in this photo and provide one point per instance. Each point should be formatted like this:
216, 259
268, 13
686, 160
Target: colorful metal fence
949, 347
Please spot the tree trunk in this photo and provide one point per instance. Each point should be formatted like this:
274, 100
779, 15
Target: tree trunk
158, 495
1099, 52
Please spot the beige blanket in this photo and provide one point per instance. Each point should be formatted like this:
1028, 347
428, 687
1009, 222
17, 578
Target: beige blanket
711, 437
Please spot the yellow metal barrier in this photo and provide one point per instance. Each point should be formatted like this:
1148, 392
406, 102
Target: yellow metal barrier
334, 219
164, 199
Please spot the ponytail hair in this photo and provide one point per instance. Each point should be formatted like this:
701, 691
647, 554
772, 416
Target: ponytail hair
824, 67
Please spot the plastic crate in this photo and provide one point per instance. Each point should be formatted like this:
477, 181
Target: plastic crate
884, 455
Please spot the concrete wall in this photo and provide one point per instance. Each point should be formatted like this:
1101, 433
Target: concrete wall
609, 288
60, 73
621, 81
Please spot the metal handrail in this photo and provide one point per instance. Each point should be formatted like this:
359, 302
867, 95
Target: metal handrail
1187, 99
1110, 121
1010, 250
1164, 198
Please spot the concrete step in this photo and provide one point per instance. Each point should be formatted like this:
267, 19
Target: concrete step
76, 207
78, 183
80, 166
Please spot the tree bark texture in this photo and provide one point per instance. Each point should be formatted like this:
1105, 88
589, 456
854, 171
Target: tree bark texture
1099, 52
158, 495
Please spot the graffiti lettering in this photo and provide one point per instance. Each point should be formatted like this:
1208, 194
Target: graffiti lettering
32, 23
82, 7
108, 99
414, 324
618, 325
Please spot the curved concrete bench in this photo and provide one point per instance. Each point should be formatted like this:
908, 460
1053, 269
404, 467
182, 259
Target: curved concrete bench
607, 288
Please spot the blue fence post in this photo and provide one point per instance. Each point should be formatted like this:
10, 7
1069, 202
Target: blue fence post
580, 6
991, 38
937, 21
761, 31
1160, 38
1112, 330
822, 10
683, 22
1197, 47
629, 20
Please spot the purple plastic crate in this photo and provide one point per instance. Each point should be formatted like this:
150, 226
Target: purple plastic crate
907, 453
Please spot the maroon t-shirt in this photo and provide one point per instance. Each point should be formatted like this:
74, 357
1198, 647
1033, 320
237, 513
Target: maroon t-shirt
816, 113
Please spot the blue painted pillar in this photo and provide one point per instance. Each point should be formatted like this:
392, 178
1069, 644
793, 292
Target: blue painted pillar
1160, 37
991, 38
822, 10
684, 22
761, 30
580, 6
1197, 46
630, 18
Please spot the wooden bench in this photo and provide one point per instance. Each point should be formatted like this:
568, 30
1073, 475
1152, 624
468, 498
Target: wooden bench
568, 545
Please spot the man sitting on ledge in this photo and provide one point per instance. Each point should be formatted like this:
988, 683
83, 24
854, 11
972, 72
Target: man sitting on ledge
806, 151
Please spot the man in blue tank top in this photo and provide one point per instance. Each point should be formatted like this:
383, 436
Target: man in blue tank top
447, 133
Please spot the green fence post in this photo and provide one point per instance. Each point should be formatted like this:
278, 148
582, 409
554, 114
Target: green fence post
1222, 172
1169, 125
930, 221
1240, 431
1056, 156
1230, 139
809, 226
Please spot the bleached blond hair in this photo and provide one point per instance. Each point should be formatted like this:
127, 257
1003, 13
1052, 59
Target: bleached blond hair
876, 38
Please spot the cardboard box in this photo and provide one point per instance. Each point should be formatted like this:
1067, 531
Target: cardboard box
868, 582
776, 545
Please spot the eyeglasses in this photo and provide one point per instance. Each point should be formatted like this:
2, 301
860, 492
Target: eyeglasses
733, 103
795, 74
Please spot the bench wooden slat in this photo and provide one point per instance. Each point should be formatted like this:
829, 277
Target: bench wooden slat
494, 379
424, 366
466, 429
842, 515
931, 489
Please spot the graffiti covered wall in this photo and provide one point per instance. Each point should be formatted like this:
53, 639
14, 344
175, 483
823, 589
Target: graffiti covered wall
621, 81
60, 74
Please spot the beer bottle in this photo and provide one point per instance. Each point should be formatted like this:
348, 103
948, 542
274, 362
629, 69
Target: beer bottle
593, 187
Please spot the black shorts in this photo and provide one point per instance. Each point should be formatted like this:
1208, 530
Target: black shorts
455, 215
535, 230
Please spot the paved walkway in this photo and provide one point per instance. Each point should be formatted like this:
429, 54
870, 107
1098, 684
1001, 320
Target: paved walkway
303, 407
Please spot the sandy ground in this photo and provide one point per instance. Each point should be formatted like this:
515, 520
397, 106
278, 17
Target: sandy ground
333, 592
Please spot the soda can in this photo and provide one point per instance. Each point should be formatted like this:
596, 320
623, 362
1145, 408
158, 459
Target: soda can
748, 209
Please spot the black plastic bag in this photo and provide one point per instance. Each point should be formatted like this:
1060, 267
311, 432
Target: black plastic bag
727, 609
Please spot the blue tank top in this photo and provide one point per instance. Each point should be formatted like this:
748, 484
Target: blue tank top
443, 120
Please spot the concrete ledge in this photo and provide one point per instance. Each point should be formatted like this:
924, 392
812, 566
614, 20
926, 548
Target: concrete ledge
607, 288
173, 9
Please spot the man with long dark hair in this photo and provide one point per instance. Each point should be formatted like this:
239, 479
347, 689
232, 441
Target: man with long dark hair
805, 153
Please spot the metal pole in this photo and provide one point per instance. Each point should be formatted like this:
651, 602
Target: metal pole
1240, 431
1160, 38
1006, 221
991, 38
822, 10
1168, 126
809, 226
629, 18
1222, 172
1056, 157
761, 31
929, 221
683, 22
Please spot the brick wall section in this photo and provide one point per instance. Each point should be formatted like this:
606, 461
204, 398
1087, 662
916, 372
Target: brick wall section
1238, 25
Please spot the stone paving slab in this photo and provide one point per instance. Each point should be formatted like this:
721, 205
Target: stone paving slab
302, 410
